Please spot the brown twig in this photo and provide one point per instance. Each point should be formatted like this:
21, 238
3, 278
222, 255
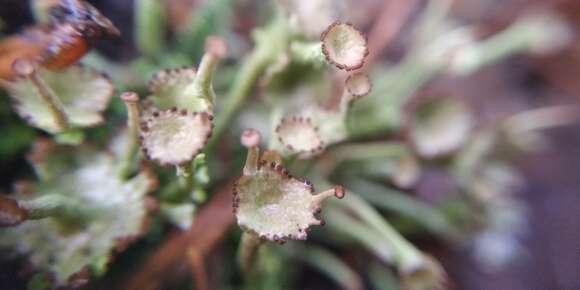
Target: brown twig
212, 222
198, 271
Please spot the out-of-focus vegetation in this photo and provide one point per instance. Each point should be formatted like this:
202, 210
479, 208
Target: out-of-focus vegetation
181, 149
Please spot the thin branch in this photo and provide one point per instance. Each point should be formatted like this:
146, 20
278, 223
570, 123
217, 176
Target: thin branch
213, 220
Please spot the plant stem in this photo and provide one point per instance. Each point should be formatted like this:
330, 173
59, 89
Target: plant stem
405, 256
171, 192
405, 206
56, 205
431, 22
70, 137
343, 222
203, 78
52, 101
149, 17
191, 178
252, 68
248, 251
331, 265
368, 150
252, 160
131, 101
307, 52
542, 118
381, 277
185, 176
361, 152
270, 42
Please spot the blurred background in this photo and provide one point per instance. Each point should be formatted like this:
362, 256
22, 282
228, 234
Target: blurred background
540, 249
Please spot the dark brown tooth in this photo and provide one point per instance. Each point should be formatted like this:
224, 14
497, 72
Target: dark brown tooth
339, 191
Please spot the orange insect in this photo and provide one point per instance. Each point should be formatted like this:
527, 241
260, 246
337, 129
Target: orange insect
74, 28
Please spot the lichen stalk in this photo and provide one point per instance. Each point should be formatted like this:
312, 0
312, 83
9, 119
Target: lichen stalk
185, 178
406, 256
270, 42
248, 251
215, 51
252, 68
150, 19
251, 139
338, 191
58, 206
131, 101
26, 69
307, 53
